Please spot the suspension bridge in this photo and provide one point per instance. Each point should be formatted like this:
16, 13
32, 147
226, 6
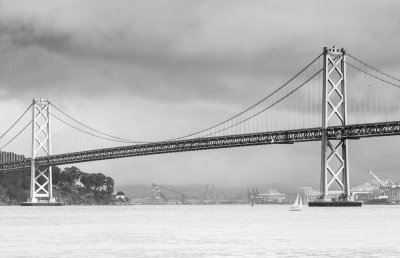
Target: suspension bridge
335, 98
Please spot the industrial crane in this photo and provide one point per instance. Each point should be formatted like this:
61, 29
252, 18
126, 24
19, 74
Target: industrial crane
382, 193
156, 188
380, 182
253, 196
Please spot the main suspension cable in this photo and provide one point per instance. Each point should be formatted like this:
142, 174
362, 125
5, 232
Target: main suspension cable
373, 68
376, 77
9, 129
118, 139
97, 136
270, 106
5, 145
252, 106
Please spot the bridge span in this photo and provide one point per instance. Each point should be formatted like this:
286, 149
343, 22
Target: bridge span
323, 102
356, 131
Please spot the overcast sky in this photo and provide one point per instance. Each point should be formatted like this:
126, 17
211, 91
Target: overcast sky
150, 69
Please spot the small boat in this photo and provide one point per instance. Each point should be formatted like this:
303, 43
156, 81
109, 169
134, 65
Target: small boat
297, 205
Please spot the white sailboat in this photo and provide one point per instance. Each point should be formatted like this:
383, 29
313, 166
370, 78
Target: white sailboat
297, 205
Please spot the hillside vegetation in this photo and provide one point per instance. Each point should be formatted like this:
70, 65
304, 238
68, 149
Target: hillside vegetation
70, 186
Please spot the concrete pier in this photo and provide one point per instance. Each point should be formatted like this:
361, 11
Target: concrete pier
335, 204
41, 204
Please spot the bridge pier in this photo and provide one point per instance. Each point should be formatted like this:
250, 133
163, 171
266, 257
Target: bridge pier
334, 153
41, 192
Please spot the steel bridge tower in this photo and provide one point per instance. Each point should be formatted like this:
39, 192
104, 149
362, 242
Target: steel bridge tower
334, 153
41, 177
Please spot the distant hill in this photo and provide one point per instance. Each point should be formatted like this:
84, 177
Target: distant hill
198, 191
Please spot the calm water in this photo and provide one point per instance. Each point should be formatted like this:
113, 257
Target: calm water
199, 231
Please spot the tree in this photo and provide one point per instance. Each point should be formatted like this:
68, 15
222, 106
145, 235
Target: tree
109, 185
100, 180
56, 175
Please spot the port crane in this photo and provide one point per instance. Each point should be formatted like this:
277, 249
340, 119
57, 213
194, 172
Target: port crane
253, 195
380, 182
156, 188
377, 191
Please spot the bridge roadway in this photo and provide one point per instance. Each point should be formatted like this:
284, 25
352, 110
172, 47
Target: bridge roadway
356, 131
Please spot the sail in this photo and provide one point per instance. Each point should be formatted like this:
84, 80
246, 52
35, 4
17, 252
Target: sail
297, 205
297, 201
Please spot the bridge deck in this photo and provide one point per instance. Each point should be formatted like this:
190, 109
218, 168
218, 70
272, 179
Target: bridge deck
278, 137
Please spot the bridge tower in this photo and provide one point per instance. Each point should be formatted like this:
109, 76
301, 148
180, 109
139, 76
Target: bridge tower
334, 153
41, 177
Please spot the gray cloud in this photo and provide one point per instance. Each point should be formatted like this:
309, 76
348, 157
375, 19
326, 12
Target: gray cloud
59, 58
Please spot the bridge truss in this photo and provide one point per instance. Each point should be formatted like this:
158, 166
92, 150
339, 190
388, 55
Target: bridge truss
241, 140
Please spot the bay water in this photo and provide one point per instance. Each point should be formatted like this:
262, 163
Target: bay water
199, 231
